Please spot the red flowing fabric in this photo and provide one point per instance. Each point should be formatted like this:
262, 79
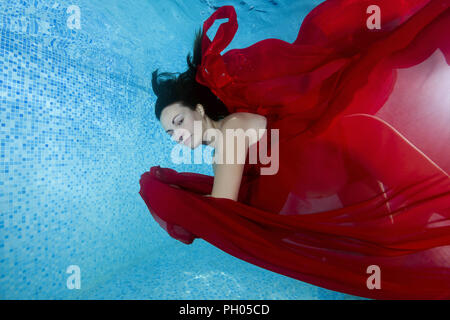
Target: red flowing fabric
364, 151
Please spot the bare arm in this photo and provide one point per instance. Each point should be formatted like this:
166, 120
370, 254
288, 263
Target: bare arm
228, 176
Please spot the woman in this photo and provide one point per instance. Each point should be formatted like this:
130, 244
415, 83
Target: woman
182, 100
360, 202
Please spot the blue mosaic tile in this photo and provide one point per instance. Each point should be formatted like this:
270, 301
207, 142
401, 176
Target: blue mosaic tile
77, 130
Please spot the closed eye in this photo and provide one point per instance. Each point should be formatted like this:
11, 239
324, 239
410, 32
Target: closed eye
179, 122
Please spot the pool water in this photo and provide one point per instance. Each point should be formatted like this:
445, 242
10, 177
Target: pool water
77, 130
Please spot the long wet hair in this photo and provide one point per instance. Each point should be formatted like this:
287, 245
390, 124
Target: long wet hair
183, 88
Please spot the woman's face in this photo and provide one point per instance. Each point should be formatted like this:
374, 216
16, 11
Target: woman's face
178, 121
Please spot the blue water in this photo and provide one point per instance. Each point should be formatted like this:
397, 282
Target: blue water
77, 130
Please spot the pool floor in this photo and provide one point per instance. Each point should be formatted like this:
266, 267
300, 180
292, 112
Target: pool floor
201, 271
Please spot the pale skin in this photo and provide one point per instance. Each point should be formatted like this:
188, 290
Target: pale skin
227, 176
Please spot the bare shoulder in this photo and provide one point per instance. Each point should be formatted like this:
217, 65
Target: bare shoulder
250, 123
244, 120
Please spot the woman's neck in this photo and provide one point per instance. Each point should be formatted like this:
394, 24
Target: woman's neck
211, 124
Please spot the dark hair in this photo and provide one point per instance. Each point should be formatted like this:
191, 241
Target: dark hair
170, 88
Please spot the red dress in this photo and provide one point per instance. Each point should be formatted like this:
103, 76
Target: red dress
364, 151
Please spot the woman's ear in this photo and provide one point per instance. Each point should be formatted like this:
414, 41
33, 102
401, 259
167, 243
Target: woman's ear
199, 108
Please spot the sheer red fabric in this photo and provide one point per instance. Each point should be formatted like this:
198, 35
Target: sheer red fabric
364, 157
